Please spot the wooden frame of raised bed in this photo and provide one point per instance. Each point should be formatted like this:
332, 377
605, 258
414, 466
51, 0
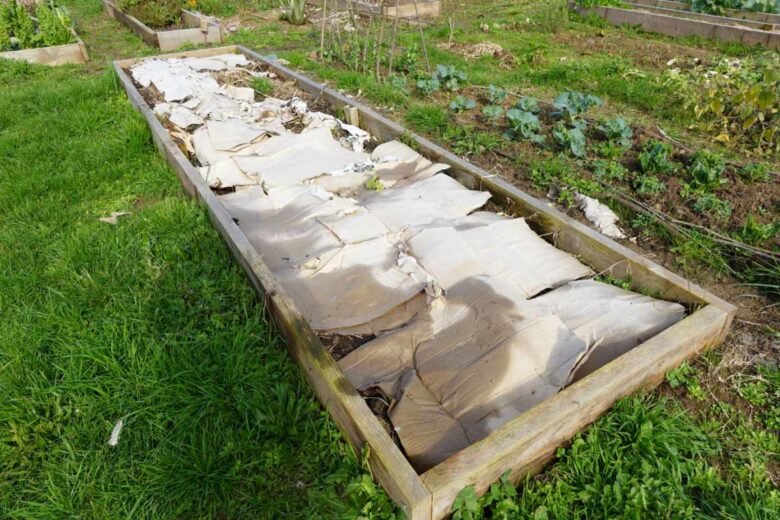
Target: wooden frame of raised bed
70, 53
524, 444
686, 23
766, 18
200, 29
389, 8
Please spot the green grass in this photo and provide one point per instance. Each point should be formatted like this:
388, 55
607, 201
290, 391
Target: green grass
148, 320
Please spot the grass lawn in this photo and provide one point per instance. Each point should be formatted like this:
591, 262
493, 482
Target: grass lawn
151, 322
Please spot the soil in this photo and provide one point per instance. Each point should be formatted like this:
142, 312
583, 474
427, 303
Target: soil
340, 345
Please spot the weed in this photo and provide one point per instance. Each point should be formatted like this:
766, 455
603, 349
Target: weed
374, 184
263, 85
552, 16
468, 142
753, 232
398, 83
710, 203
686, 375
757, 172
409, 140
154, 13
623, 283
648, 184
608, 150
293, 11
430, 119
608, 171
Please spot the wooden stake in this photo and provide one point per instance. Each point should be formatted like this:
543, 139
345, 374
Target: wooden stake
322, 29
422, 37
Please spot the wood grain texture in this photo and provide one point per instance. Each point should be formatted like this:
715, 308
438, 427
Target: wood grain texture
674, 26
337, 395
55, 55
722, 20
523, 445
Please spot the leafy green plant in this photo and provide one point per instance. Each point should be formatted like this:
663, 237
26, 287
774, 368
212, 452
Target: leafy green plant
493, 111
753, 232
496, 95
656, 158
608, 150
523, 125
737, 100
398, 83
617, 131
374, 184
465, 141
607, 171
558, 178
154, 13
686, 375
293, 11
460, 103
572, 139
445, 77
571, 104
20, 30
262, 85
529, 104
706, 170
646, 184
710, 203
757, 172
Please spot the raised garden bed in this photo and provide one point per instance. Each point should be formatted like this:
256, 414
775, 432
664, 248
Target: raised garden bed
388, 8
74, 53
41, 33
685, 23
526, 442
198, 29
767, 18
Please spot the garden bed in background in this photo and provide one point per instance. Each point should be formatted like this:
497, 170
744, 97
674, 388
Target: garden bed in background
197, 29
665, 22
73, 53
388, 8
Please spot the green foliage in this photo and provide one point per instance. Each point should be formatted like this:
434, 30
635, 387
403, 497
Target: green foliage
445, 77
496, 95
294, 11
608, 150
710, 203
567, 182
753, 232
551, 16
706, 171
571, 105
262, 85
686, 375
656, 158
20, 30
720, 7
608, 171
736, 100
646, 184
493, 111
523, 125
431, 119
623, 283
500, 499
757, 172
529, 104
571, 139
460, 103
465, 141
154, 13
617, 131
374, 184
398, 83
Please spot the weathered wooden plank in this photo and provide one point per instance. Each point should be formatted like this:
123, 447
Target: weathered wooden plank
722, 20
673, 26
406, 8
55, 55
769, 18
201, 30
522, 445
337, 395
526, 443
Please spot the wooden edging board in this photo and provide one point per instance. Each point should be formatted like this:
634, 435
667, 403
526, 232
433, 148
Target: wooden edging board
768, 18
200, 29
75, 53
405, 8
675, 26
526, 443
704, 17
